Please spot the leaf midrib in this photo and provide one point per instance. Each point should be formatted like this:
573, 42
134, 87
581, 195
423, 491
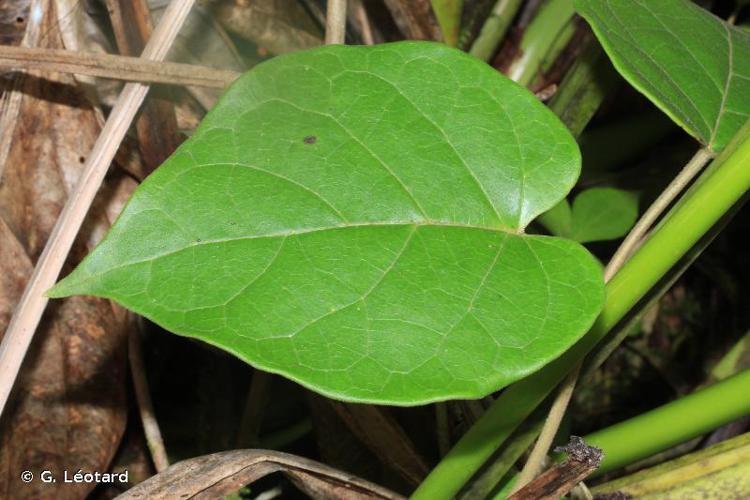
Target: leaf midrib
286, 234
727, 85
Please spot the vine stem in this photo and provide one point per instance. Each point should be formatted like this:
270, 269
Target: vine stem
633, 240
30, 308
336, 22
535, 463
494, 29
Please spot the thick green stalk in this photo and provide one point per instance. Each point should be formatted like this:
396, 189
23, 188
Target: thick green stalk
673, 423
719, 188
494, 29
546, 30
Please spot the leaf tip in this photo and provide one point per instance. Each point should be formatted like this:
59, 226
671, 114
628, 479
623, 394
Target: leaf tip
64, 288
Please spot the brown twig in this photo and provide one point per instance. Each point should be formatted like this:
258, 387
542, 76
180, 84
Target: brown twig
131, 69
336, 22
258, 397
581, 462
143, 397
415, 19
443, 430
383, 435
30, 308
156, 125
363, 21
535, 463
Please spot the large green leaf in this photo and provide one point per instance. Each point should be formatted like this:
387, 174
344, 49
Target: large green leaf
694, 66
597, 214
351, 217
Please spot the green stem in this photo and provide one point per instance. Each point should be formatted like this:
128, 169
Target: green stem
673, 423
719, 188
546, 30
736, 358
448, 14
494, 29
500, 469
583, 89
558, 46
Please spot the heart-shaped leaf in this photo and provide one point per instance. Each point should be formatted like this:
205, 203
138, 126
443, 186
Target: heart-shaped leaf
351, 217
597, 214
691, 64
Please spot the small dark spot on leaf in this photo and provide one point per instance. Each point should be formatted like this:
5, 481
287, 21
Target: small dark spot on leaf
198, 240
232, 223
310, 139
81, 159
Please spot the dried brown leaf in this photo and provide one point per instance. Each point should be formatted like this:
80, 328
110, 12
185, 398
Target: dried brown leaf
156, 126
202, 41
415, 19
81, 32
216, 475
13, 14
278, 26
67, 411
54, 132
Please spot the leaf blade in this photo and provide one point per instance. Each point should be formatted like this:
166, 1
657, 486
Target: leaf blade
332, 221
692, 65
601, 214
